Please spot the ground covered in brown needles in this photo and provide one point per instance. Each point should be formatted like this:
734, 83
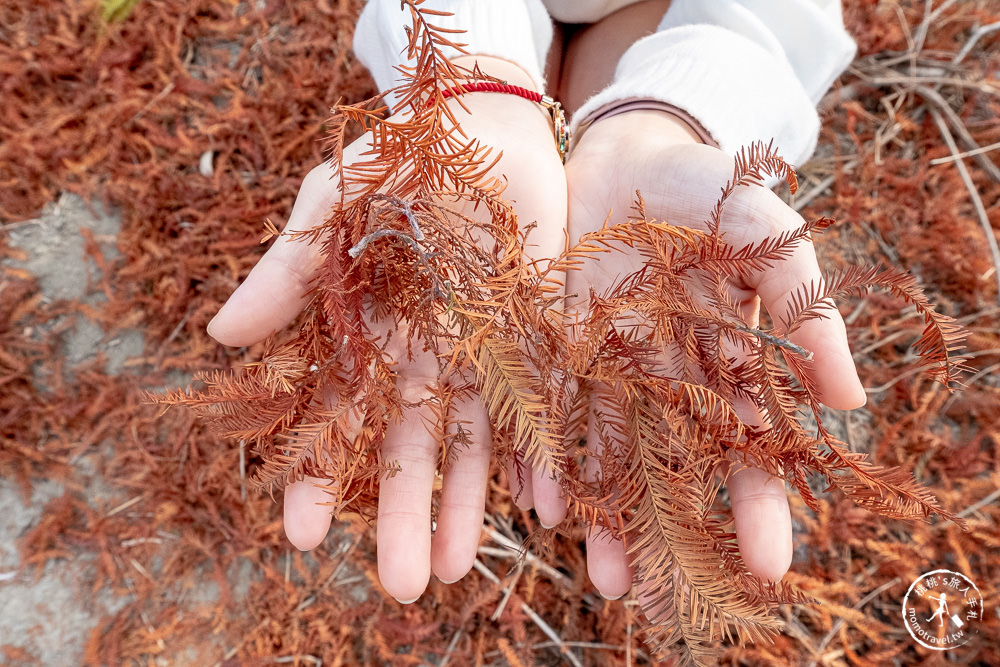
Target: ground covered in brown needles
140, 154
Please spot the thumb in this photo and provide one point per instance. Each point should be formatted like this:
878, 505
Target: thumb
275, 290
832, 365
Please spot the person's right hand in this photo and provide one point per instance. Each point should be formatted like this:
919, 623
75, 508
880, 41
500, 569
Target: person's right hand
276, 290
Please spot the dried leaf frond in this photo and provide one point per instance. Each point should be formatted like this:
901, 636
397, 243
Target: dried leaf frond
424, 259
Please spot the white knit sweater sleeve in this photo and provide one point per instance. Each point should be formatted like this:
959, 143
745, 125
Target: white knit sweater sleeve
747, 70
584, 11
519, 31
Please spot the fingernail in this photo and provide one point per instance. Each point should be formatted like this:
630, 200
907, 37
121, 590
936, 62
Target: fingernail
547, 526
448, 581
210, 325
407, 601
608, 597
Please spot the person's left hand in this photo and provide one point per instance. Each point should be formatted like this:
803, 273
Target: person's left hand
680, 180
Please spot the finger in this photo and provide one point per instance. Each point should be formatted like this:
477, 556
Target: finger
306, 517
519, 479
607, 563
832, 366
463, 497
275, 290
675, 187
539, 200
760, 504
403, 534
550, 506
763, 522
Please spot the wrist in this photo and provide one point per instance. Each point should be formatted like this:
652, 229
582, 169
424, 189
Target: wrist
505, 70
514, 102
645, 127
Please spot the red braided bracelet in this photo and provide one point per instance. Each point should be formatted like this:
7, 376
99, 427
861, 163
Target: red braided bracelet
559, 127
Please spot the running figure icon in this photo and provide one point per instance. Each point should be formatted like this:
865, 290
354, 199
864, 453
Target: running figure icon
942, 609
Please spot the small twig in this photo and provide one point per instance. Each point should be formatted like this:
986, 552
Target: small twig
296, 658
795, 629
21, 223
887, 132
451, 647
332, 580
977, 201
124, 506
156, 98
988, 352
594, 645
243, 471
442, 288
885, 340
511, 550
140, 540
628, 643
976, 506
399, 206
929, 18
347, 581
955, 121
976, 35
803, 200
960, 156
530, 613
140, 569
177, 329
777, 341
972, 379
508, 591
841, 621
893, 78
911, 49
536, 562
969, 381
406, 208
848, 434
902, 376
966, 320
363, 244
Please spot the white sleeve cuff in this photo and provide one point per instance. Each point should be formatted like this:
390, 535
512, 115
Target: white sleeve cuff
744, 72
584, 11
808, 34
519, 31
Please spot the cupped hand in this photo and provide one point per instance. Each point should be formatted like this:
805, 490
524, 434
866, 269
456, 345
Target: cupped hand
680, 180
276, 290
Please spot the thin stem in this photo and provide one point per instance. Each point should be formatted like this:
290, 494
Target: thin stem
777, 341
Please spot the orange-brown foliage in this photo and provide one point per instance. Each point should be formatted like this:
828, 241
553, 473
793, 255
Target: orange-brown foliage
123, 112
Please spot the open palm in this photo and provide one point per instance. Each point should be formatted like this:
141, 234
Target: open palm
277, 290
680, 181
